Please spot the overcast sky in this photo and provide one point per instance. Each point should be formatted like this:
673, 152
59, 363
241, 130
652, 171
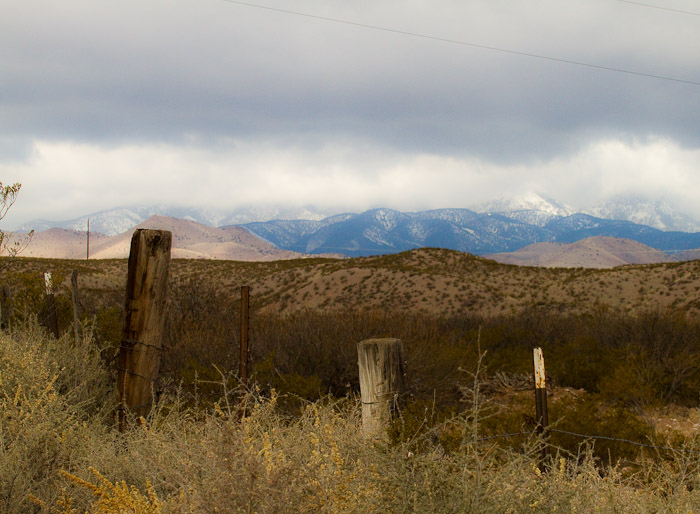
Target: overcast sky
410, 104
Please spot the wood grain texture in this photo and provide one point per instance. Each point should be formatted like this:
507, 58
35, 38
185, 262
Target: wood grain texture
382, 382
145, 307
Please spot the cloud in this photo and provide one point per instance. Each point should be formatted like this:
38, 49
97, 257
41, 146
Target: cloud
132, 72
64, 180
217, 103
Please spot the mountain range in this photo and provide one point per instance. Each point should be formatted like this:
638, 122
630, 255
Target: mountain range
115, 221
381, 231
498, 227
191, 240
529, 208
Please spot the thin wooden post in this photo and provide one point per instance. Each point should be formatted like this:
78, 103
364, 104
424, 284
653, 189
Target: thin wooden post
146, 290
87, 249
6, 313
541, 416
382, 383
51, 316
245, 329
76, 305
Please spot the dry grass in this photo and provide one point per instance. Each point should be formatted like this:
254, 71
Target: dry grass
61, 453
56, 420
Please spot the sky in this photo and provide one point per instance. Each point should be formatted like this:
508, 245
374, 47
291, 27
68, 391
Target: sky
346, 105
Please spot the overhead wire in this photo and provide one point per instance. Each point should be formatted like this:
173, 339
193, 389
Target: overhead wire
659, 7
466, 43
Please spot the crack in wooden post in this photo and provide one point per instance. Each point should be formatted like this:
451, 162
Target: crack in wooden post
541, 416
146, 293
382, 383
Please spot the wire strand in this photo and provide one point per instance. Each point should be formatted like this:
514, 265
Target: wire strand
629, 441
659, 7
465, 43
588, 436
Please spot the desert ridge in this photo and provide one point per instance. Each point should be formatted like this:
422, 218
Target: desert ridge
592, 252
191, 240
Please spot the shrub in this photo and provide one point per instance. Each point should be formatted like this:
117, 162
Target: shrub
52, 395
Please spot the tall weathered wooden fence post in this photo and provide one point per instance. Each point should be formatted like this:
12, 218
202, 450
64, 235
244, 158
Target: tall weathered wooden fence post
541, 415
382, 383
51, 316
146, 290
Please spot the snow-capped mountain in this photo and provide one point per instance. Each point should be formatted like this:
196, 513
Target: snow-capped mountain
503, 225
381, 231
120, 219
654, 213
531, 208
109, 222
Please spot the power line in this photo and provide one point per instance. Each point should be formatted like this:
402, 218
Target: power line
659, 7
465, 43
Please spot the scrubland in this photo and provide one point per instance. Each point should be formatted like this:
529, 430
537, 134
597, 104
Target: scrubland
623, 367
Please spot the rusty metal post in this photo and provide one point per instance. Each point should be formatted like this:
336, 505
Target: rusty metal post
541, 416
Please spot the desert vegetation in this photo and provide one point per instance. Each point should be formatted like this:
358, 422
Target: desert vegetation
621, 348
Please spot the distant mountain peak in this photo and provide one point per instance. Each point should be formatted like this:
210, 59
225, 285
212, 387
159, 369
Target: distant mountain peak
529, 201
644, 211
120, 219
532, 208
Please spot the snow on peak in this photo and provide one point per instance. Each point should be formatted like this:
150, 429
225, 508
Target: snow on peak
526, 202
653, 213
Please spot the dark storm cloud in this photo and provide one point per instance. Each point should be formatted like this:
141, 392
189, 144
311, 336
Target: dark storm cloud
160, 71
213, 92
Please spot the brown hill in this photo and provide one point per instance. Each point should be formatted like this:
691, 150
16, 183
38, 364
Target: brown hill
593, 252
687, 255
442, 282
191, 240
61, 244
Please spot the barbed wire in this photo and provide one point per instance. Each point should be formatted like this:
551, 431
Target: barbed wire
500, 436
629, 441
589, 436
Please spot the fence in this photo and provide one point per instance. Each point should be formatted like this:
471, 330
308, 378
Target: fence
381, 365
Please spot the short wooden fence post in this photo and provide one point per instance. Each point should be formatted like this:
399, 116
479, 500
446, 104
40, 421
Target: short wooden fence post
51, 316
146, 290
541, 416
76, 305
6, 312
382, 383
245, 328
